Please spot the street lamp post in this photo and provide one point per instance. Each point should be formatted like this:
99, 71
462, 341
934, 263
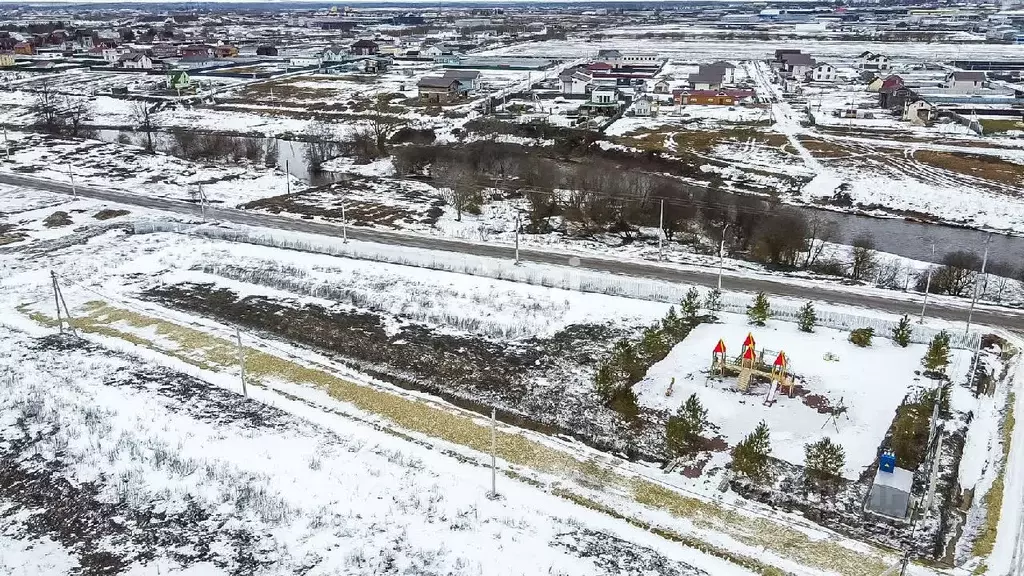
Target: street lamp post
74, 191
344, 220
974, 299
721, 257
927, 285
519, 220
661, 231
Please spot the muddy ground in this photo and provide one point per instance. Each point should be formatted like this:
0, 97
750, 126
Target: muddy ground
540, 384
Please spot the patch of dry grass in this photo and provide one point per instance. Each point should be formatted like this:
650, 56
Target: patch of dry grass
977, 165
993, 499
824, 148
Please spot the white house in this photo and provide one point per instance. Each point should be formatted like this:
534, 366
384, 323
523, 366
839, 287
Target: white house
823, 72
577, 82
335, 53
112, 55
642, 106
605, 95
965, 82
137, 61
919, 112
868, 60
469, 80
661, 87
431, 52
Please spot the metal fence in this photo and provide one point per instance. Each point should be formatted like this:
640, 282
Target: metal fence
549, 276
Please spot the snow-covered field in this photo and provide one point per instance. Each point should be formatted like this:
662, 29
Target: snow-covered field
129, 169
268, 476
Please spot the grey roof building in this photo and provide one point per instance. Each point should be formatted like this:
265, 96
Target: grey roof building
891, 492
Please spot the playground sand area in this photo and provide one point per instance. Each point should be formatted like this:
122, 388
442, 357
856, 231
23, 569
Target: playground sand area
842, 391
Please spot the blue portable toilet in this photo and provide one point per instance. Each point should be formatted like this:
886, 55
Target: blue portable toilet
887, 462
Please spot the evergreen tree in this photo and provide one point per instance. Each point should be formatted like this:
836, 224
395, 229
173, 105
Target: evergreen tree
713, 303
690, 307
605, 383
807, 318
750, 456
684, 429
653, 346
670, 323
901, 332
862, 336
824, 461
937, 357
627, 362
759, 313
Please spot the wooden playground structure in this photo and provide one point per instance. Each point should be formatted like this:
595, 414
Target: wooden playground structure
749, 363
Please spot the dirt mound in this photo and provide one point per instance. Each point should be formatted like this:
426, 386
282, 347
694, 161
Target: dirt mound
57, 219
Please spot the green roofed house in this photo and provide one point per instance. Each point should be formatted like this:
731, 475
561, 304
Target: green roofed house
179, 80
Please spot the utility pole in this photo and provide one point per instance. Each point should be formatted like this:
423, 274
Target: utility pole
287, 179
202, 202
74, 191
927, 285
661, 230
519, 220
7, 146
721, 257
241, 360
344, 220
494, 426
58, 300
974, 366
974, 299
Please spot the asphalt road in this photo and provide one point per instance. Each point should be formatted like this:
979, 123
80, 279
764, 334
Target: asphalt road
1009, 319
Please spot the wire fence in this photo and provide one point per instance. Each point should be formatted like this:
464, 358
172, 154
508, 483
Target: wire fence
549, 276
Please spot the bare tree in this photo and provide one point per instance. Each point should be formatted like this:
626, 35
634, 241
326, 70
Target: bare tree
320, 146
820, 231
1000, 274
271, 149
781, 238
48, 107
864, 260
383, 127
955, 276
456, 185
142, 115
77, 111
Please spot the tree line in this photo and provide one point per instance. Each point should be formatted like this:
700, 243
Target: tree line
625, 195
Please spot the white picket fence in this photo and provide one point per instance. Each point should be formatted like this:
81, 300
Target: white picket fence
550, 276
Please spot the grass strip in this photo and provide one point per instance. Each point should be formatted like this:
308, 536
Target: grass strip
993, 499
